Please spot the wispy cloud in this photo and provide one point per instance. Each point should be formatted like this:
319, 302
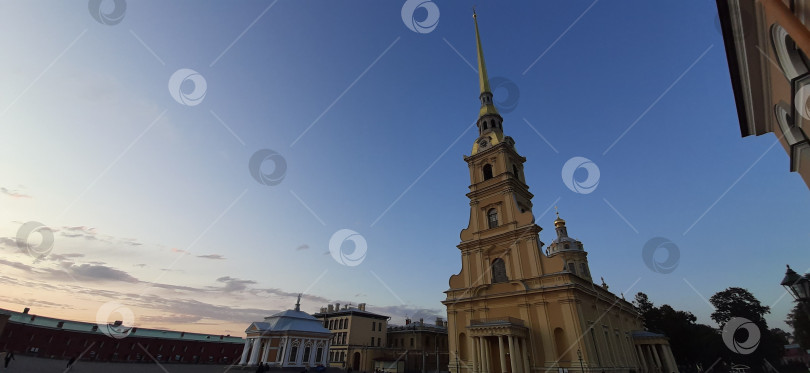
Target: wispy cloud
212, 256
13, 193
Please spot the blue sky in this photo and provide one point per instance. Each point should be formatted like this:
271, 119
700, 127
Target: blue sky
153, 206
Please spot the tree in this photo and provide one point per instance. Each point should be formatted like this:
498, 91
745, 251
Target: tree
738, 302
799, 320
691, 343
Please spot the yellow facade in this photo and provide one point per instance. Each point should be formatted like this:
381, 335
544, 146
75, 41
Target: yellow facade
767, 43
513, 307
358, 336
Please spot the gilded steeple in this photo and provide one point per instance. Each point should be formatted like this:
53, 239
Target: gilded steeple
487, 106
490, 123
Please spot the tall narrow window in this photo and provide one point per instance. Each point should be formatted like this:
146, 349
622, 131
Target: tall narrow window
572, 268
499, 271
492, 218
515, 171
293, 353
306, 354
487, 171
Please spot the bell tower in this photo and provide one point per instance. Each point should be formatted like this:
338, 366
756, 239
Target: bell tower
513, 308
501, 236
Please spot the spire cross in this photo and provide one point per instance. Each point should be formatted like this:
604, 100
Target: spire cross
298, 303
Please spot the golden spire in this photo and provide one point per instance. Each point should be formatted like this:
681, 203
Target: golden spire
486, 93
482, 67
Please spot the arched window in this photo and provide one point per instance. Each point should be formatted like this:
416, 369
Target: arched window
499, 271
492, 218
485, 124
583, 269
515, 171
572, 268
487, 171
306, 354
788, 55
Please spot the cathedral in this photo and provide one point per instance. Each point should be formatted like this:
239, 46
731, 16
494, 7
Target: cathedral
516, 308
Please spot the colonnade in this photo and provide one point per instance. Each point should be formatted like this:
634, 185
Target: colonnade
656, 358
513, 346
257, 351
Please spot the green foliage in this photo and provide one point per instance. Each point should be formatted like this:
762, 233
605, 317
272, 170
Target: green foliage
738, 302
799, 320
696, 344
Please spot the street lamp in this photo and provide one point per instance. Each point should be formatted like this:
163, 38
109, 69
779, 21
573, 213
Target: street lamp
798, 286
579, 355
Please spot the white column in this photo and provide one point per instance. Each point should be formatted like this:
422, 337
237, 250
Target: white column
487, 357
300, 355
245, 351
640, 352
282, 346
267, 342
287, 348
513, 356
254, 352
325, 354
655, 357
502, 353
667, 349
525, 355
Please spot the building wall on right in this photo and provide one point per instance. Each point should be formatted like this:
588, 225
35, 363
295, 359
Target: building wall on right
766, 44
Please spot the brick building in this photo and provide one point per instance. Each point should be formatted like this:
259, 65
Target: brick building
48, 337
